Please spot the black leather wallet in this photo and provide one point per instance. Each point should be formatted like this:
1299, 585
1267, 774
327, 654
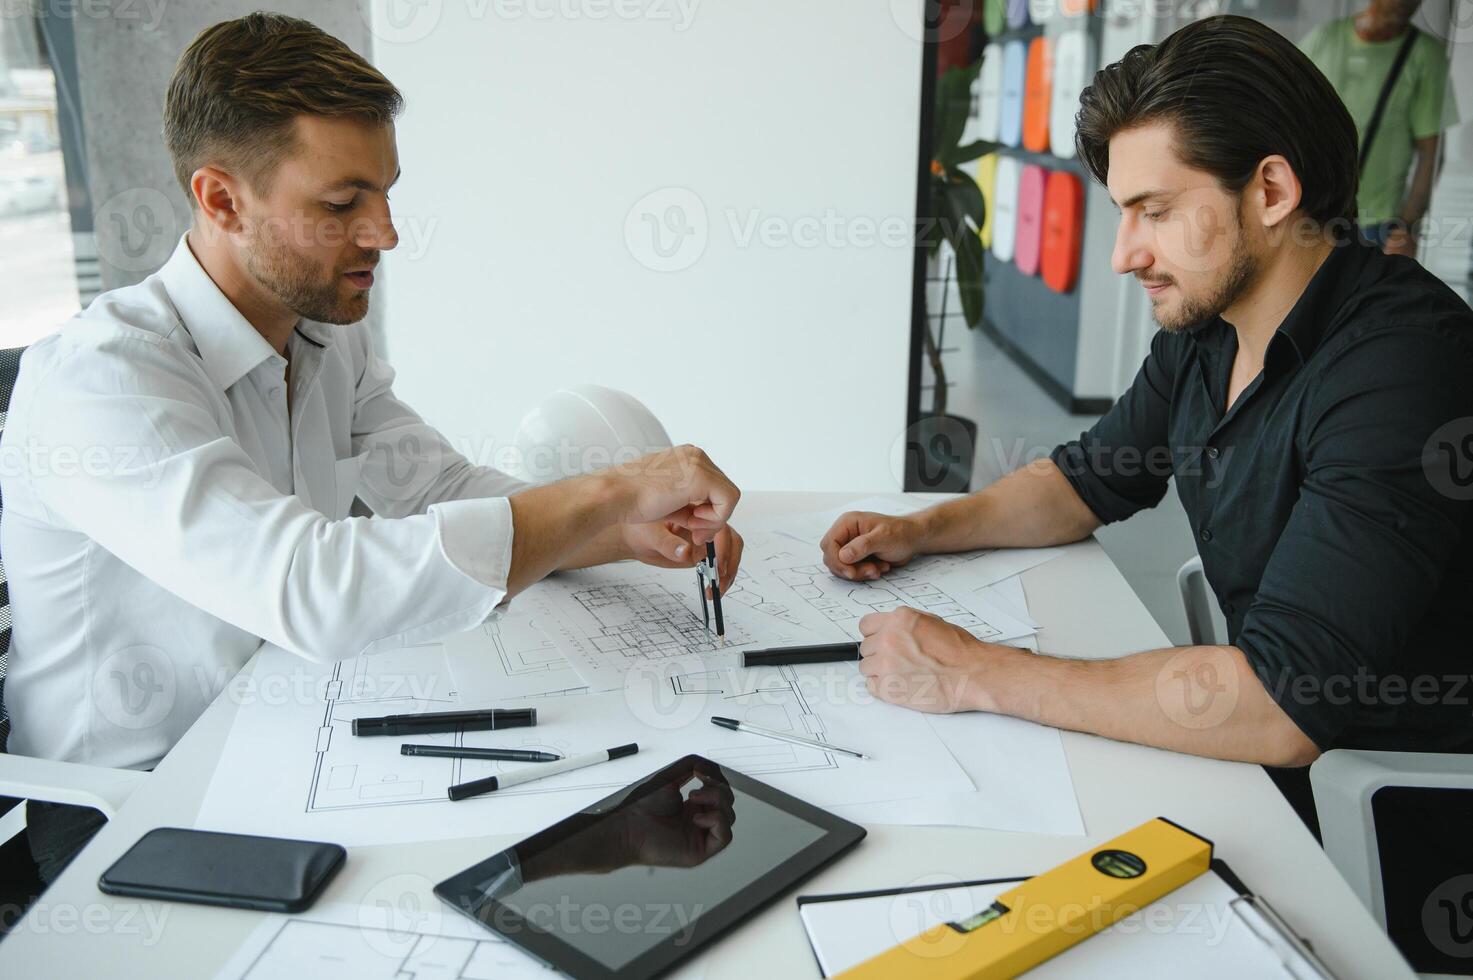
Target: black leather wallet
233, 870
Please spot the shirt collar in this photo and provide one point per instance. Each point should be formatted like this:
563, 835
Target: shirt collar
230, 347
1308, 321
1337, 277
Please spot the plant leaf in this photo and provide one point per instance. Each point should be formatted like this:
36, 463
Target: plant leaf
969, 267
963, 190
953, 106
973, 150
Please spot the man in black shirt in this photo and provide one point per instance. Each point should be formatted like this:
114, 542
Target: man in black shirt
1311, 396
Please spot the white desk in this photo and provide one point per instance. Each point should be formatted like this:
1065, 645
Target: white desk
1087, 610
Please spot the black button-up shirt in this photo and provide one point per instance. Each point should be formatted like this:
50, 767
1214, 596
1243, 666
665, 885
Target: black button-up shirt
1331, 503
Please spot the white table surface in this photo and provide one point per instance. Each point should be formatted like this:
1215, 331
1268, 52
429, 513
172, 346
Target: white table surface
1087, 610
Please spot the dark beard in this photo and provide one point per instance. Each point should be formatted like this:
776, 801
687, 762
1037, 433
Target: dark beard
1242, 270
293, 282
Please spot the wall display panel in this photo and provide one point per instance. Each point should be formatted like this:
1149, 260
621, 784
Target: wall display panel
1014, 79
1073, 63
1063, 230
989, 93
987, 184
1005, 193
1029, 238
1037, 104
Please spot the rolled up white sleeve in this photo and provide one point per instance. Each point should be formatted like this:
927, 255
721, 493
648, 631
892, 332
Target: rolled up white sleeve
476, 536
181, 502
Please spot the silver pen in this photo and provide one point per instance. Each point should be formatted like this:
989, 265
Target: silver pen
738, 726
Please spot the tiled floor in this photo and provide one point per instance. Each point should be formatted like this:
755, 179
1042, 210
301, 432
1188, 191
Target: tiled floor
1017, 422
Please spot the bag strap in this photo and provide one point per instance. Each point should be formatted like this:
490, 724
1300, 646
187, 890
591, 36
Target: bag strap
1386, 87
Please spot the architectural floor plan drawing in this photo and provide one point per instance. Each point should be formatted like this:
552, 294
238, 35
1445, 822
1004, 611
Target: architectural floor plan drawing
844, 603
770, 698
642, 621
630, 616
292, 767
343, 948
748, 594
509, 657
344, 778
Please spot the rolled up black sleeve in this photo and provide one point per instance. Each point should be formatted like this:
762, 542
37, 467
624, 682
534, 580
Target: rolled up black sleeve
1367, 543
1122, 463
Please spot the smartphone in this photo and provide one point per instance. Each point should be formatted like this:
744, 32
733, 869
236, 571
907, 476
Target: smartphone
237, 871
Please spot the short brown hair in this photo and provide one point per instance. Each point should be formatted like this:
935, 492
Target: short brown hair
240, 83
1235, 91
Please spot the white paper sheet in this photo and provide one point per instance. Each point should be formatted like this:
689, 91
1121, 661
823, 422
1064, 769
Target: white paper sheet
970, 570
610, 620
1192, 932
509, 657
843, 603
396, 934
1009, 595
811, 527
1019, 769
399, 931
291, 766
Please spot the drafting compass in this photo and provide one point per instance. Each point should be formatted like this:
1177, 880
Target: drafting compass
706, 575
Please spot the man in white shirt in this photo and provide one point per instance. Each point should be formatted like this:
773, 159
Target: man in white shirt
190, 447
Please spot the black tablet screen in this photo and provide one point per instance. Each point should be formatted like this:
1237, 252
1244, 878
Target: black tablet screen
615, 884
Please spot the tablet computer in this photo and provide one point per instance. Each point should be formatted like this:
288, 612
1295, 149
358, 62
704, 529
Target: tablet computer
637, 882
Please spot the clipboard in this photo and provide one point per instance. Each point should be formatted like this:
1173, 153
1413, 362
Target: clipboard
1212, 927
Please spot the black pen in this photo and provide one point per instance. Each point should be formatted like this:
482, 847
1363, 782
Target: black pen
737, 726
464, 791
446, 721
816, 653
471, 752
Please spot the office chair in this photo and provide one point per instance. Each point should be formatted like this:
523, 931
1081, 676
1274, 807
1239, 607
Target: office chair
1196, 599
24, 778
1374, 812
577, 430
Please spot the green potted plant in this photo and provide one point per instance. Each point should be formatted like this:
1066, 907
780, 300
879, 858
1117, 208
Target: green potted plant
942, 446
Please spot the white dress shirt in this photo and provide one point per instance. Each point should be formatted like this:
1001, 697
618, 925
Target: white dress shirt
164, 514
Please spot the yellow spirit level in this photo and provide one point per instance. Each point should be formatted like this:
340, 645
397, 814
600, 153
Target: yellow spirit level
1045, 915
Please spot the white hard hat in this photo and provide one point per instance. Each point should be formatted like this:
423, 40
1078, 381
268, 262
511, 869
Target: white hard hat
581, 429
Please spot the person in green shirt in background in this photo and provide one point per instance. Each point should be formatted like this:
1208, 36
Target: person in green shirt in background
1357, 54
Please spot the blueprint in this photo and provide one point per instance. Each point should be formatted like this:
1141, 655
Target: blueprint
510, 656
292, 767
960, 572
844, 603
621, 617
402, 935
619, 654
630, 616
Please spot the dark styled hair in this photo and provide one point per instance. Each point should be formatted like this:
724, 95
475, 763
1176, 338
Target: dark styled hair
240, 83
1234, 91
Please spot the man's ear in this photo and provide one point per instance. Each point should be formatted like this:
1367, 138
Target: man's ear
1276, 191
218, 197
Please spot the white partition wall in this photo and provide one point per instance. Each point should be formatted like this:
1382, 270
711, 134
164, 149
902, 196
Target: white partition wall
706, 203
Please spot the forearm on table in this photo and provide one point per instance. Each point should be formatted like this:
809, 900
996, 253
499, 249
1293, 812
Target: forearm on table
1202, 700
1032, 507
554, 523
